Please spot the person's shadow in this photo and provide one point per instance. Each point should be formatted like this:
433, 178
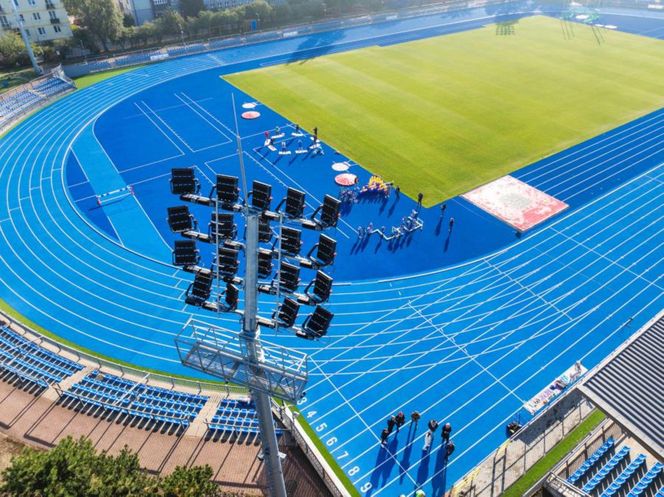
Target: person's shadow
423, 469
385, 461
439, 226
405, 460
391, 448
439, 478
447, 241
382, 455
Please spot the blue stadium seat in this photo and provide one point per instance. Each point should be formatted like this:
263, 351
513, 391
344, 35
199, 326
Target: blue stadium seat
235, 417
133, 59
642, 487
32, 363
626, 478
600, 479
593, 462
14, 104
107, 393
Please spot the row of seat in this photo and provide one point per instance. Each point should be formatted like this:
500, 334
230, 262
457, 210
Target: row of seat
99, 65
115, 394
14, 104
235, 417
592, 463
636, 468
610, 472
649, 482
619, 460
110, 394
51, 86
30, 362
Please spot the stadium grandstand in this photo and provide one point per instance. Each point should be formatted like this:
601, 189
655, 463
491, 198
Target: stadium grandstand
19, 101
412, 253
623, 455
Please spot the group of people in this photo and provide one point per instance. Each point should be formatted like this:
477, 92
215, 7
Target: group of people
443, 208
445, 434
348, 195
376, 187
315, 146
399, 419
408, 224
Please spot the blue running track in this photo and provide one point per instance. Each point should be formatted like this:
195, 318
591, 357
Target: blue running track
461, 327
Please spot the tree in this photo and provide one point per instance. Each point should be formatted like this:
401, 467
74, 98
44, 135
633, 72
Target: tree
13, 52
83, 38
191, 8
143, 34
11, 49
101, 17
200, 24
169, 24
194, 482
73, 468
128, 20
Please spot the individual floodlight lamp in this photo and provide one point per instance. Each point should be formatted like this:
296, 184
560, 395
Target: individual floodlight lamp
316, 324
183, 181
326, 250
228, 191
199, 291
261, 195
286, 313
180, 219
329, 212
222, 224
295, 202
322, 287
264, 263
185, 253
291, 241
288, 277
228, 262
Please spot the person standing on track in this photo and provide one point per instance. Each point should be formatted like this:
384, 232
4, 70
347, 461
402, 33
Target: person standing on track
415, 417
383, 436
447, 429
391, 421
400, 419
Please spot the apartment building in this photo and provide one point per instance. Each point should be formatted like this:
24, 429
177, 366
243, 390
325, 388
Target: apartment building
44, 20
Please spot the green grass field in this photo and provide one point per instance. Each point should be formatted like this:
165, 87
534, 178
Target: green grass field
443, 115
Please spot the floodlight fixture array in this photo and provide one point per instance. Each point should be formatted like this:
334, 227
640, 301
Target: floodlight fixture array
243, 357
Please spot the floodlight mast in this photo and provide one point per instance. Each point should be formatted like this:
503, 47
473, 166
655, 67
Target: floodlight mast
26, 41
265, 369
250, 335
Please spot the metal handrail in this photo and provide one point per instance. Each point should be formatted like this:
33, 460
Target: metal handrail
124, 370
563, 486
287, 418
